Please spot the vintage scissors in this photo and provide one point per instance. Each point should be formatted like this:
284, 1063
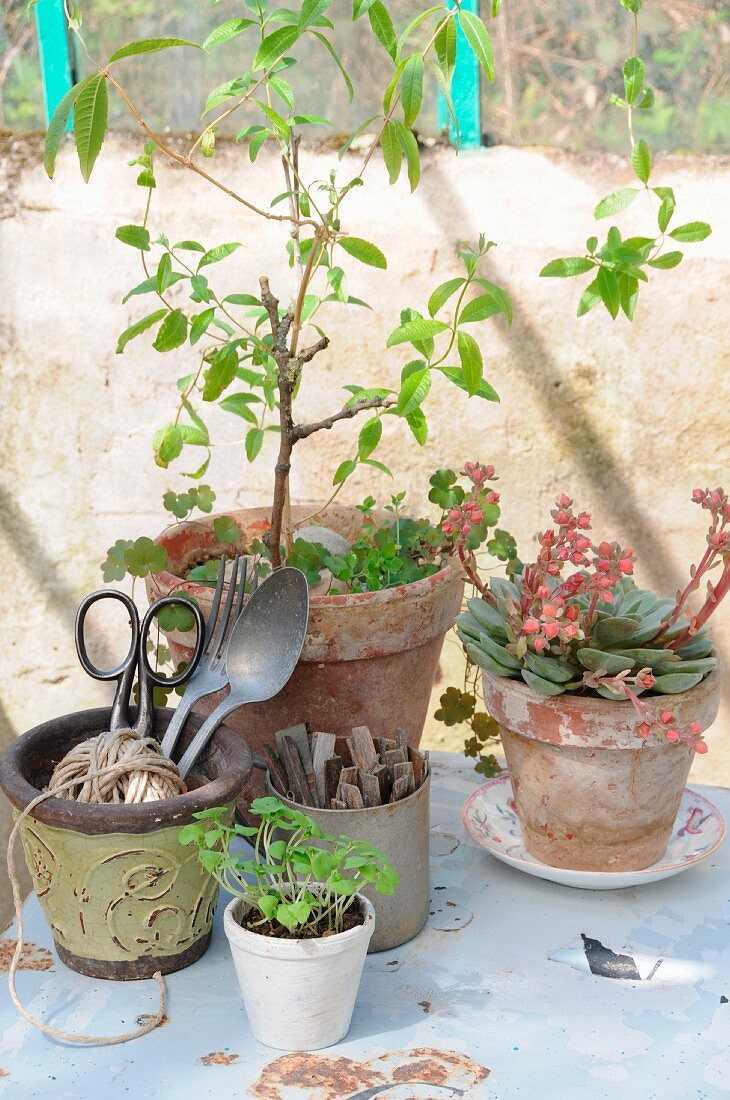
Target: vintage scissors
136, 663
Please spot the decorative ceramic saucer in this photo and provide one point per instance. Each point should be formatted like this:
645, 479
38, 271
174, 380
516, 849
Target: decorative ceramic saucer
490, 817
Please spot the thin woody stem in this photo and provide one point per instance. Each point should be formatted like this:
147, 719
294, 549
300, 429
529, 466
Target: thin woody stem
313, 260
320, 511
468, 566
230, 110
716, 594
303, 431
280, 331
186, 162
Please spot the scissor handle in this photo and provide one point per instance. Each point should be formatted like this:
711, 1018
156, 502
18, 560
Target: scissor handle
88, 666
124, 672
150, 615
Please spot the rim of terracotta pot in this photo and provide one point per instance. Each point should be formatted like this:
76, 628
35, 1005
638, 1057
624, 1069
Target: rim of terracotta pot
346, 599
590, 719
343, 627
63, 813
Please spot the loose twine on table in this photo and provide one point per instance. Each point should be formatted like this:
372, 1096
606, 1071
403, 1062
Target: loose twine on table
118, 767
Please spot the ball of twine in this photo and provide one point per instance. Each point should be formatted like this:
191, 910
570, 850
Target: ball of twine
141, 772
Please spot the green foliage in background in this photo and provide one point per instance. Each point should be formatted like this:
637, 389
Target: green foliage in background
556, 63
619, 265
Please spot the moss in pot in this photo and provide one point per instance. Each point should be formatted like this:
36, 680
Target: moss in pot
600, 690
298, 925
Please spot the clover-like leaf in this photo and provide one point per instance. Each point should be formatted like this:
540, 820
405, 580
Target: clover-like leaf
502, 545
488, 766
456, 707
176, 617
206, 574
144, 556
485, 727
179, 504
114, 568
226, 530
203, 497
444, 489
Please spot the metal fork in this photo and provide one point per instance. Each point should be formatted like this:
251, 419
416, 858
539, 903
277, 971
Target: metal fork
210, 675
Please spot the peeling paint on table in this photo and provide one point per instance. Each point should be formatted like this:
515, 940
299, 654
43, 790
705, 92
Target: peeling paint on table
517, 988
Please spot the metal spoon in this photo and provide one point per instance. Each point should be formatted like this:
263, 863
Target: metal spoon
262, 652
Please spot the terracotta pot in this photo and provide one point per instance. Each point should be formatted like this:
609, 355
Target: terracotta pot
369, 658
590, 794
122, 896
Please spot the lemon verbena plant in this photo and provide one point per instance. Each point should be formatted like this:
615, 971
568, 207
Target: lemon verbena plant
251, 351
618, 266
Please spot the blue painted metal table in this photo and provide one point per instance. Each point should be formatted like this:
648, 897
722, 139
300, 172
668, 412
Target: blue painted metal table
494, 999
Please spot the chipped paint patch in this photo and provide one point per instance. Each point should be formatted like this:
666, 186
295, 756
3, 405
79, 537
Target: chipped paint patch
443, 844
453, 1074
146, 1017
33, 956
218, 1058
453, 918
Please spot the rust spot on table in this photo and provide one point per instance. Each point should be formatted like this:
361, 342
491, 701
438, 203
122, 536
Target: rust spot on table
319, 1077
439, 1067
33, 956
218, 1058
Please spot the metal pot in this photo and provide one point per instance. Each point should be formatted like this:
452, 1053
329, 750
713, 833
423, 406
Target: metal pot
401, 830
122, 896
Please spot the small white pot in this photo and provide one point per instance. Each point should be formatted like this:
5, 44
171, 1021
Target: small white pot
298, 994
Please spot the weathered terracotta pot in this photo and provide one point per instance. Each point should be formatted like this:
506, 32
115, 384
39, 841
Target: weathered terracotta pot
590, 794
369, 658
122, 896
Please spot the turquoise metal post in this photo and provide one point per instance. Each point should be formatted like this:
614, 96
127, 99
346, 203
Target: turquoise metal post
53, 46
464, 91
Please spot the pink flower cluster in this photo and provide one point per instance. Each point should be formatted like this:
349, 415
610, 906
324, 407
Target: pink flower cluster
717, 553
461, 520
551, 620
662, 723
546, 614
665, 723
570, 544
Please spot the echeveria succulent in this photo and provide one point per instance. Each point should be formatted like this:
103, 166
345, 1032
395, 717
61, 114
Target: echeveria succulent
622, 638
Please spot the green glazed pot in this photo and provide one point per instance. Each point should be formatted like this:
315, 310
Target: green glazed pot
122, 896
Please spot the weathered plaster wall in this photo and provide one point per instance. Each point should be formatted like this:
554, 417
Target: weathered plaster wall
626, 418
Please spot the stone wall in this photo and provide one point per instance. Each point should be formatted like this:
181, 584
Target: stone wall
627, 418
